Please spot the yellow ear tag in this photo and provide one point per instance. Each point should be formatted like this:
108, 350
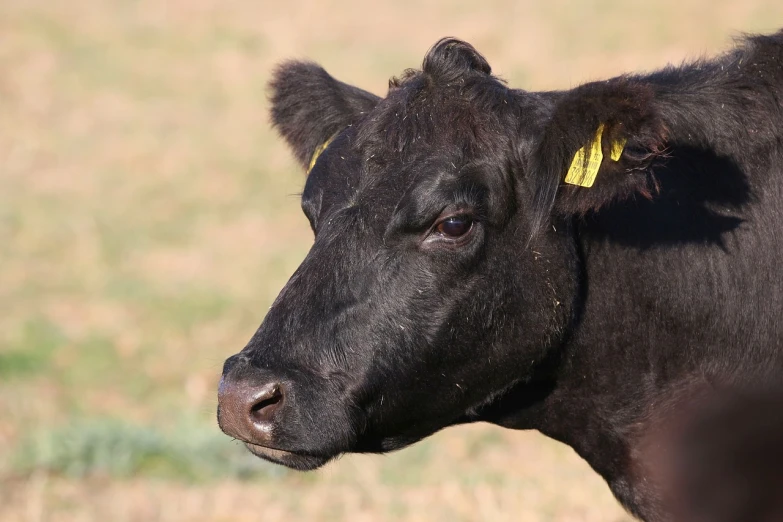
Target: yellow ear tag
617, 149
319, 150
584, 175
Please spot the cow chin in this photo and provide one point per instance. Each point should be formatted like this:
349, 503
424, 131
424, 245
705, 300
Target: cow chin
289, 459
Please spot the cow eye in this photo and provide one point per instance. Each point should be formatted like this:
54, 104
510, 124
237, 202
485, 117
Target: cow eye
455, 226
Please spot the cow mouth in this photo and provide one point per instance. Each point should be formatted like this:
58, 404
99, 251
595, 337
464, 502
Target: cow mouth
290, 459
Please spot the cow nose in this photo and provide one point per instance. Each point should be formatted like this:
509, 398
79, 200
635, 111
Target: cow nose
246, 411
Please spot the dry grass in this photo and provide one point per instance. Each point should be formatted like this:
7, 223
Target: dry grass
148, 216
475, 474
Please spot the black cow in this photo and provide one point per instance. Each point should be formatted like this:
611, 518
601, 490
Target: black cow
467, 267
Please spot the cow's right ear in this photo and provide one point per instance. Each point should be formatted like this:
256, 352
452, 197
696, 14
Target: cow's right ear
309, 106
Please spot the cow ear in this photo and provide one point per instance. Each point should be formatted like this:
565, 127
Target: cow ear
309, 106
596, 147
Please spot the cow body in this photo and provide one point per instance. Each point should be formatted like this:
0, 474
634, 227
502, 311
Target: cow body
455, 278
681, 293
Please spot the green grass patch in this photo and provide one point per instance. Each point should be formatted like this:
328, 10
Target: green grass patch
107, 447
29, 351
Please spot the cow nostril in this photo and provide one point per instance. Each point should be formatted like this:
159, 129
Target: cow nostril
266, 403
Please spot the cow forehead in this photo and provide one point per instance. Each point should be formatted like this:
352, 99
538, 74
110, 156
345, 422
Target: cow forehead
415, 137
381, 180
414, 122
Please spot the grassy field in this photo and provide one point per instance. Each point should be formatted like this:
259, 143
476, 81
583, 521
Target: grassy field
148, 216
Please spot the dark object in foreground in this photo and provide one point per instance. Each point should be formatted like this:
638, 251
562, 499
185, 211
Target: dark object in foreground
728, 463
456, 277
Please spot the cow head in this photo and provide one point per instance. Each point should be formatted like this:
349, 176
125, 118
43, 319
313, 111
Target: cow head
443, 270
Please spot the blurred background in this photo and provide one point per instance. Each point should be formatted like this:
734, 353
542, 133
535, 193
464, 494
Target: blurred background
149, 215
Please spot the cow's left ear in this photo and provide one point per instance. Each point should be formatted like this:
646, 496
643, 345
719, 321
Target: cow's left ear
309, 106
596, 147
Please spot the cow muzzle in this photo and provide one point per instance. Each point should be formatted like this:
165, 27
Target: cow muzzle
253, 407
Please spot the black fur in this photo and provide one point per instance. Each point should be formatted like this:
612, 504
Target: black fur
590, 314
309, 106
628, 112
